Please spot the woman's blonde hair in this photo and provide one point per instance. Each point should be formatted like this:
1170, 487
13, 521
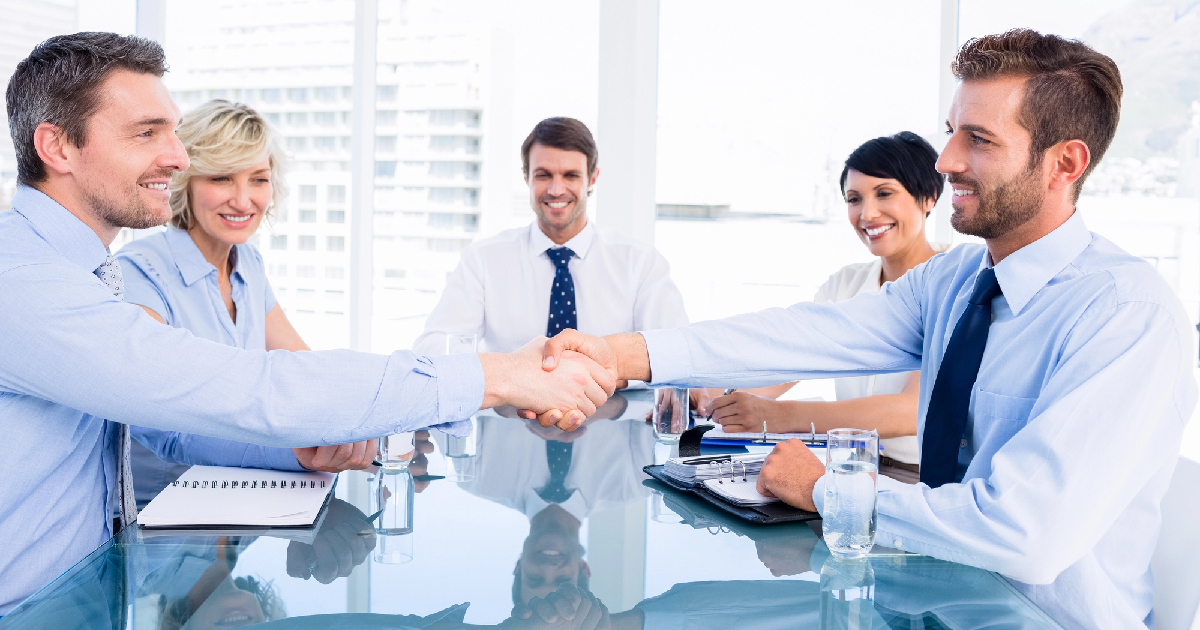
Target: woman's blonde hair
222, 138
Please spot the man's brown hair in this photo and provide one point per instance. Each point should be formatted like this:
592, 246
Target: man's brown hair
565, 134
1072, 92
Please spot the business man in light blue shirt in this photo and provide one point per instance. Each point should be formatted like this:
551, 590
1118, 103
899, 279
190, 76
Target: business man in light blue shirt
93, 127
1073, 411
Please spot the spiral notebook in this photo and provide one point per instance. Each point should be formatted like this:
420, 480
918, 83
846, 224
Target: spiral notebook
218, 497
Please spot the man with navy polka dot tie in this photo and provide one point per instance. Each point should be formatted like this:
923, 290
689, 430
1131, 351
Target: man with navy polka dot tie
507, 285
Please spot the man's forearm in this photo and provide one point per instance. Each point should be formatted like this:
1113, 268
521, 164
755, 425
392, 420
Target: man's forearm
633, 361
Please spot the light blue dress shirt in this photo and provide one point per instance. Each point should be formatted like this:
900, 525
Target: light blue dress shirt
166, 273
1075, 420
72, 355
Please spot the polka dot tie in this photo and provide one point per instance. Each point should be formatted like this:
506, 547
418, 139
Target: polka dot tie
562, 293
558, 456
110, 274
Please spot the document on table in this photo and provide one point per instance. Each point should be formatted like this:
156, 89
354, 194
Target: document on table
718, 434
221, 497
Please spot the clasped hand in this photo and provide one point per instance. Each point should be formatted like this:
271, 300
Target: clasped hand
569, 390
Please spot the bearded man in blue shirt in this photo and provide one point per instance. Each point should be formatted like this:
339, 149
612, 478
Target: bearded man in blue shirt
94, 132
1056, 371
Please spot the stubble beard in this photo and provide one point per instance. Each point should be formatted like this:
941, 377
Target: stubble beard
579, 210
1002, 209
130, 212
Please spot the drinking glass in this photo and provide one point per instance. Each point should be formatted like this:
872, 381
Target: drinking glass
671, 415
460, 456
847, 594
851, 464
392, 497
396, 451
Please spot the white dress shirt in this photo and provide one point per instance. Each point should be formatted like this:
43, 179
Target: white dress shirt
1075, 421
500, 290
844, 284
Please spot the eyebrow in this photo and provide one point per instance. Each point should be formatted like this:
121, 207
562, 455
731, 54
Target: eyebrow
977, 129
151, 121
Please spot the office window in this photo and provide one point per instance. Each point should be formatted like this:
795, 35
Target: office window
385, 168
325, 94
306, 271
385, 144
298, 95
325, 144
279, 241
335, 243
279, 215
393, 273
325, 119
344, 142
385, 117
278, 270
273, 117
449, 245
336, 194
215, 94
335, 216
307, 243
297, 144
308, 193
308, 216
386, 93
272, 95
335, 273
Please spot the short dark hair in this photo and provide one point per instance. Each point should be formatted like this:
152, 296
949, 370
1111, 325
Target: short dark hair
1072, 92
904, 157
566, 134
59, 83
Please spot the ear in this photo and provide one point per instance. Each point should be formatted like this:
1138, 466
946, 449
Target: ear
592, 181
53, 148
587, 571
1068, 160
927, 206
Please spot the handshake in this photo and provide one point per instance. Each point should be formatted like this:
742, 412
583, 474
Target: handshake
563, 380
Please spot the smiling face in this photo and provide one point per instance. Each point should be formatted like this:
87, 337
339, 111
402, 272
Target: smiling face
227, 607
886, 217
229, 207
122, 170
558, 190
996, 189
551, 555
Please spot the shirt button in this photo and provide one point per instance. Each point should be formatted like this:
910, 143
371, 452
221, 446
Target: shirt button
962, 444
899, 544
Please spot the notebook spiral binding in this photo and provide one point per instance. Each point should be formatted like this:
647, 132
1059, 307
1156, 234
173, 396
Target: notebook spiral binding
282, 485
732, 472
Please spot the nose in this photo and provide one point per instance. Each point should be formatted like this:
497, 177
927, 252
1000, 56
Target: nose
556, 187
951, 158
870, 209
175, 157
240, 200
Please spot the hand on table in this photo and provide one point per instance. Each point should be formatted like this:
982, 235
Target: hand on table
742, 412
574, 389
422, 446
343, 542
790, 473
567, 607
336, 458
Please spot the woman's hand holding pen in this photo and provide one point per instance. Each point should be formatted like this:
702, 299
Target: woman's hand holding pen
743, 412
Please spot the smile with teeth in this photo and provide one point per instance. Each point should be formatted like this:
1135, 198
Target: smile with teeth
234, 619
557, 205
879, 230
236, 218
962, 192
154, 186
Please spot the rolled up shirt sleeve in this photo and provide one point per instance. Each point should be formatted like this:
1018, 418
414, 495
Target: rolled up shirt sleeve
199, 450
69, 341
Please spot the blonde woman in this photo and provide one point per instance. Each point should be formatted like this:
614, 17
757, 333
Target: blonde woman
202, 275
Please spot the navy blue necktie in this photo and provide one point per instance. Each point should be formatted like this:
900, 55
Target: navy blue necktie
558, 456
946, 417
562, 293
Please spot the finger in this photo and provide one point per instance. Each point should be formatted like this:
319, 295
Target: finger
553, 349
596, 394
594, 614
605, 618
528, 414
762, 487
571, 593
550, 418
543, 610
324, 568
586, 605
521, 611
561, 605
360, 459
571, 420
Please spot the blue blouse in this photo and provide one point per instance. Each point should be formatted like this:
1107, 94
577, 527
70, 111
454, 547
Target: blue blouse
166, 273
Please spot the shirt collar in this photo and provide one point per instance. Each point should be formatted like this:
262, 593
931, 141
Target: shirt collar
64, 231
580, 244
191, 263
1024, 272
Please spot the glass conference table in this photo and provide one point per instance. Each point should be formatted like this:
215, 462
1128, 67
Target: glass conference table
655, 558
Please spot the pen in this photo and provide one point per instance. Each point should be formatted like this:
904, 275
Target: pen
727, 392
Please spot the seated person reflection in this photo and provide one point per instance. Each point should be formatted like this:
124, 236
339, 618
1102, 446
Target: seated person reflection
562, 271
202, 275
890, 185
1057, 372
556, 479
94, 130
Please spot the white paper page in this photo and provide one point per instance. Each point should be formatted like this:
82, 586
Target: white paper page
738, 491
200, 504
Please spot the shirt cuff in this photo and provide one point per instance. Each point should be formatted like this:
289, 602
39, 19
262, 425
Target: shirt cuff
670, 357
459, 386
281, 459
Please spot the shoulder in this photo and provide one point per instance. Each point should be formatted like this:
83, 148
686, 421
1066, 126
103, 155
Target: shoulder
504, 244
1121, 277
845, 282
21, 245
251, 261
151, 255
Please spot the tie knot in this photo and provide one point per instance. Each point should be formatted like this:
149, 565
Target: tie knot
987, 288
560, 256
